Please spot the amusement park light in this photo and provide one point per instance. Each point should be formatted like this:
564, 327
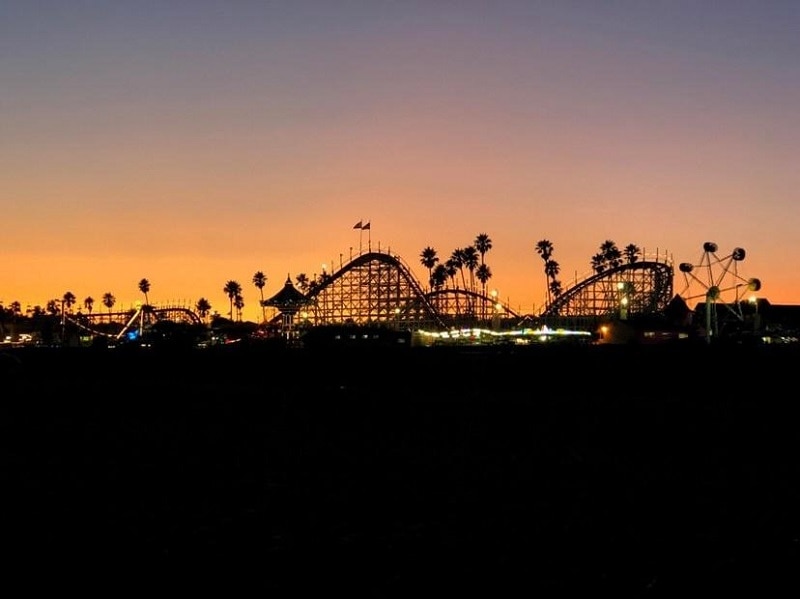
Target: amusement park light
520, 336
753, 299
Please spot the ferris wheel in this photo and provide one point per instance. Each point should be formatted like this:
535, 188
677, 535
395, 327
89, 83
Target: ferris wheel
715, 280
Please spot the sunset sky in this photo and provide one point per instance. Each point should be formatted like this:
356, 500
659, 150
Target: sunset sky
195, 142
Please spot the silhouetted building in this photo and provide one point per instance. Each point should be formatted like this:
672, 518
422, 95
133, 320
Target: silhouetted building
289, 301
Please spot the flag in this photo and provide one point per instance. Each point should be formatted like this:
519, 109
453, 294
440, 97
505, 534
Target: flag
365, 227
357, 225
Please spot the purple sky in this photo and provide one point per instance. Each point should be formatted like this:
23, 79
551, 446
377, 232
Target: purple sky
196, 142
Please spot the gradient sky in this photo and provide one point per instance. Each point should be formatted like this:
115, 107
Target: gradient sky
194, 142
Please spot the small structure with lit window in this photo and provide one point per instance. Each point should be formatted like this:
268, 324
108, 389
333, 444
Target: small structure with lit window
288, 301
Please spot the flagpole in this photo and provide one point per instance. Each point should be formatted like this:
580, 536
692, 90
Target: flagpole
360, 226
368, 227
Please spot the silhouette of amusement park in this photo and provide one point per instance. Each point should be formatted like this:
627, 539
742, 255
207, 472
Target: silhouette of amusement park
628, 296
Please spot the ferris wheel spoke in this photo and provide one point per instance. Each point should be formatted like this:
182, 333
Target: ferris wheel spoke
715, 280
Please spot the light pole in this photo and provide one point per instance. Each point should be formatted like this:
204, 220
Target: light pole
624, 289
756, 318
712, 295
497, 310
140, 309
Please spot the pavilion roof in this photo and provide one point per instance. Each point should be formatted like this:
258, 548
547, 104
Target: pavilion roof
288, 299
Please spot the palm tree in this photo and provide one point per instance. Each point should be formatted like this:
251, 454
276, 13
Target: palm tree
544, 248
302, 282
611, 254
438, 279
69, 300
260, 280
203, 307
632, 253
238, 302
144, 287
108, 301
551, 270
598, 263
484, 273
483, 244
53, 307
457, 260
452, 270
471, 261
88, 303
555, 288
438, 276
232, 289
429, 259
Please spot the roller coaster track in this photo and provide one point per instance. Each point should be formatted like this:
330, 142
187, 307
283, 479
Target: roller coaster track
644, 287
117, 325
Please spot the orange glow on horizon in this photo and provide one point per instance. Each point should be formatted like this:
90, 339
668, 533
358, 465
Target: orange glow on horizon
190, 149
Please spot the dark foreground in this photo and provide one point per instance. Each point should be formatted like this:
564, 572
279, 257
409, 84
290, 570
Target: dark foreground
633, 471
